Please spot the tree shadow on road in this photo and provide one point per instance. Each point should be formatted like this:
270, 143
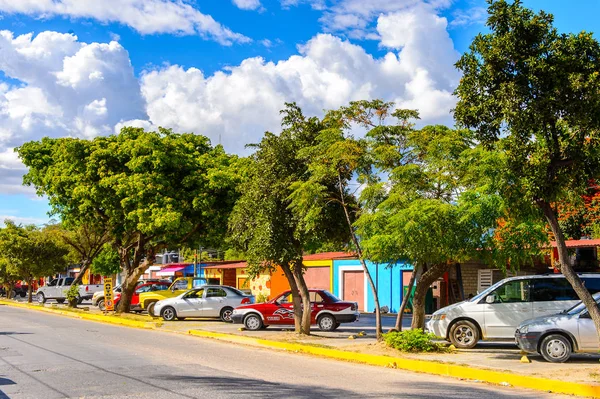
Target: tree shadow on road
246, 387
14, 333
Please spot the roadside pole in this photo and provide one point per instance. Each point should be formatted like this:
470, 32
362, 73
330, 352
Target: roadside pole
109, 304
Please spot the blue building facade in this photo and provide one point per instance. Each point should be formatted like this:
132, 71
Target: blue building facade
387, 278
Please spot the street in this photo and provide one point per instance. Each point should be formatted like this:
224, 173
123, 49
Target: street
48, 356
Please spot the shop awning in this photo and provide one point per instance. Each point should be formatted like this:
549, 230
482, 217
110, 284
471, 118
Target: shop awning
170, 270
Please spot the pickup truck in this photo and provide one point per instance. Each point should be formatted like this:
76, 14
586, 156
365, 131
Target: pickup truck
57, 289
179, 286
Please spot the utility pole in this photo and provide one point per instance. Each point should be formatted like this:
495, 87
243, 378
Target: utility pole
195, 263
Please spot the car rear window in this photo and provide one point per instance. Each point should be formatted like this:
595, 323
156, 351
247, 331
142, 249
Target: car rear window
330, 296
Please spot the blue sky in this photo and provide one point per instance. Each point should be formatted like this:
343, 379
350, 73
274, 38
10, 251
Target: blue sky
214, 68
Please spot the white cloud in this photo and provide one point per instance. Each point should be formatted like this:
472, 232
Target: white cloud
11, 172
237, 105
248, 4
70, 88
145, 16
23, 220
471, 16
355, 18
67, 88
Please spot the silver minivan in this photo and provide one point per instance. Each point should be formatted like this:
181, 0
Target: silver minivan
495, 313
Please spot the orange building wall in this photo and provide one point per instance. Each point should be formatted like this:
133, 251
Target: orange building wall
278, 283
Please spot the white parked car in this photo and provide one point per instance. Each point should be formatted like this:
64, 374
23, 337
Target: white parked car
556, 337
495, 313
216, 301
57, 289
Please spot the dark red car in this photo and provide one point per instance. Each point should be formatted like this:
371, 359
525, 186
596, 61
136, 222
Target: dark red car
327, 311
147, 287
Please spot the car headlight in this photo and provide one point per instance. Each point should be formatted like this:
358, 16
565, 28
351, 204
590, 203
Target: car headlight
235, 311
523, 329
440, 316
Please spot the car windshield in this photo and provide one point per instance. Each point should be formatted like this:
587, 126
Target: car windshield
579, 307
486, 291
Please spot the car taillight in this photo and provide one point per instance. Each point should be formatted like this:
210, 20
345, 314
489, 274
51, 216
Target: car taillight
354, 306
86, 288
245, 300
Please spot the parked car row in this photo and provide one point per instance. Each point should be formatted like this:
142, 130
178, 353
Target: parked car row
542, 314
191, 297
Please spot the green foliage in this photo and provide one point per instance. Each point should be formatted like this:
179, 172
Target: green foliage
30, 252
73, 295
107, 262
151, 190
441, 204
262, 224
415, 340
261, 298
234, 254
537, 93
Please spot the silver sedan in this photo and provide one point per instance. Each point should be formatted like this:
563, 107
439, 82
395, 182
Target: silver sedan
215, 301
556, 337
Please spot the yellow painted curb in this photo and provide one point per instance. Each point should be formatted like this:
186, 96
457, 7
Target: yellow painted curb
423, 366
93, 317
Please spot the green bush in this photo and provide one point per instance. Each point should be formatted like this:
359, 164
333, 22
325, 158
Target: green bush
413, 341
73, 295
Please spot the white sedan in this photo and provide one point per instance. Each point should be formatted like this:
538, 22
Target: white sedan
215, 301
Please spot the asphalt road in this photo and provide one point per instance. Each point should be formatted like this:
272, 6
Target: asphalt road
49, 356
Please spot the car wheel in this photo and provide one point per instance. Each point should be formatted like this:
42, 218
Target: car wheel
326, 322
168, 314
23, 294
151, 309
556, 348
60, 300
79, 299
464, 334
226, 314
41, 298
101, 305
253, 322
13, 294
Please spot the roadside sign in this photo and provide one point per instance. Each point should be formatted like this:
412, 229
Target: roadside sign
108, 294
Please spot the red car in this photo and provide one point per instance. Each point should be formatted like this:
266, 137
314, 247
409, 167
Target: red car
135, 299
327, 311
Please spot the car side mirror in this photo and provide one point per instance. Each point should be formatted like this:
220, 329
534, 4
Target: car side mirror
490, 299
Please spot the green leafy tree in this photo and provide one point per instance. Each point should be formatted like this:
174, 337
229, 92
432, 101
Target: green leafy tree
262, 224
32, 252
8, 275
152, 190
333, 161
85, 242
107, 262
534, 93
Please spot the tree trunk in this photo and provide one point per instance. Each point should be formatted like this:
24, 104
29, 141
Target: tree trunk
128, 287
305, 295
296, 298
427, 278
30, 290
406, 297
85, 265
567, 269
9, 290
378, 330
